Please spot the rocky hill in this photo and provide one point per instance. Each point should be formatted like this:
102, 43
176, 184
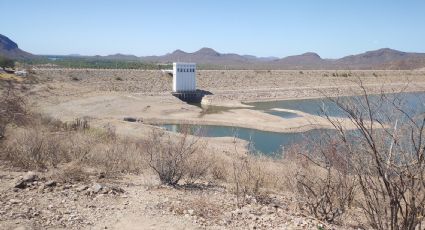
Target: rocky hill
10, 49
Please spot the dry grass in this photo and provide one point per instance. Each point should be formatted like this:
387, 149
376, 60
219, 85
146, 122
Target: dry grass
118, 156
12, 107
12, 77
34, 148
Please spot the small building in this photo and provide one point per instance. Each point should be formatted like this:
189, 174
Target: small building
184, 77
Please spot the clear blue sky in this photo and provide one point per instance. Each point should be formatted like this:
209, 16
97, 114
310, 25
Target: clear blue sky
332, 28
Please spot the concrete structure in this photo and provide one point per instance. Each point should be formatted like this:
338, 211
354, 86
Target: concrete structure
184, 77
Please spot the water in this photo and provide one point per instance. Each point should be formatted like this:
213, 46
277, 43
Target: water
272, 142
269, 143
413, 103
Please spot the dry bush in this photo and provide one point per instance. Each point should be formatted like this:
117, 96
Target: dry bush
387, 157
220, 169
34, 148
71, 172
253, 176
53, 124
77, 124
198, 166
324, 184
12, 108
78, 146
170, 157
117, 156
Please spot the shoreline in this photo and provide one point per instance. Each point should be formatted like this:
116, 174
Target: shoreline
318, 97
299, 129
145, 95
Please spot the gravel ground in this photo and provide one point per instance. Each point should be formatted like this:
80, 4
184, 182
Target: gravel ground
138, 202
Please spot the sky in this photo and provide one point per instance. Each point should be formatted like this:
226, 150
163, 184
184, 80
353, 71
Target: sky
331, 28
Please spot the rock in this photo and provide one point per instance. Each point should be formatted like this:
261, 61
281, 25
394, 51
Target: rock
26, 180
50, 183
20, 184
14, 201
66, 186
116, 189
190, 211
106, 190
101, 175
82, 188
130, 119
29, 177
96, 188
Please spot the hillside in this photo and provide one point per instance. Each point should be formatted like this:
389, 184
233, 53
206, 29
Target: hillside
10, 49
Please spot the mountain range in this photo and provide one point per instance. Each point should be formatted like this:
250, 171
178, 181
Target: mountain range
378, 59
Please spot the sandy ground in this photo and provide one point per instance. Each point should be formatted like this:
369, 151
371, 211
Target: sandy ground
107, 96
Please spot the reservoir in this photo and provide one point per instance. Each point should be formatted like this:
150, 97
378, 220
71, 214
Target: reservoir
270, 143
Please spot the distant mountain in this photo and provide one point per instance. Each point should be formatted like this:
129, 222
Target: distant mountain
209, 58
122, 57
381, 58
377, 59
307, 60
10, 49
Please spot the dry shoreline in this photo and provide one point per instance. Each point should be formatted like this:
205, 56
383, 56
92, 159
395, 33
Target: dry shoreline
317, 97
145, 95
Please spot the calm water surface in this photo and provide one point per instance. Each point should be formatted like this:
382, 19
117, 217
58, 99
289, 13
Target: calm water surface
272, 142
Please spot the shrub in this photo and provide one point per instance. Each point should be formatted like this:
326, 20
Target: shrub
198, 166
117, 156
324, 183
387, 157
219, 169
170, 157
249, 178
33, 149
12, 108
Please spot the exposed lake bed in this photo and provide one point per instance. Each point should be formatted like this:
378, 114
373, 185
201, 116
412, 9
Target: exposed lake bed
286, 103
